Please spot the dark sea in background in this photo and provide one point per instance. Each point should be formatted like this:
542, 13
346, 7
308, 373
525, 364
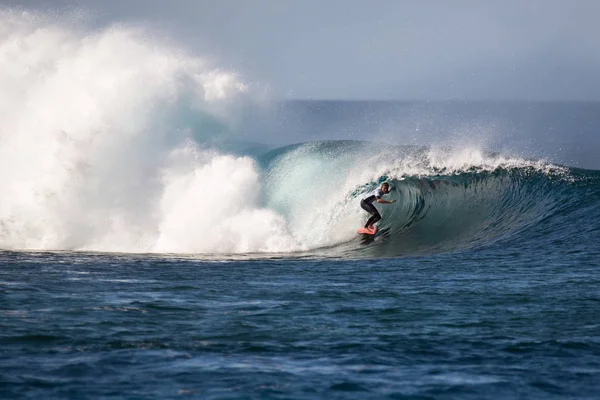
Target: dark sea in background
482, 284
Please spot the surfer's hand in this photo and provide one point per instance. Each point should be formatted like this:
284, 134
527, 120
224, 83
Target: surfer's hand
392, 201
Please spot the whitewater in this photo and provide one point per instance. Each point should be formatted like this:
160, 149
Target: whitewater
96, 153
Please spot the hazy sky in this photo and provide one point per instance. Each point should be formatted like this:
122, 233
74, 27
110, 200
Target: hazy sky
346, 49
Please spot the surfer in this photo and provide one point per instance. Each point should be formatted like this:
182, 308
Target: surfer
367, 204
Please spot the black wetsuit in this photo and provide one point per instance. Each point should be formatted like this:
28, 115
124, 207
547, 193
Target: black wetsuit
367, 205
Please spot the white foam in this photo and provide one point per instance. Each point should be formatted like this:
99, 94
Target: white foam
94, 155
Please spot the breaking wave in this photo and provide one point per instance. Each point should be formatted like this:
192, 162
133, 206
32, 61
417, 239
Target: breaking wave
110, 141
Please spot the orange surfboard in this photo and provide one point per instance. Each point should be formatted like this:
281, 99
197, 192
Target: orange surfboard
368, 231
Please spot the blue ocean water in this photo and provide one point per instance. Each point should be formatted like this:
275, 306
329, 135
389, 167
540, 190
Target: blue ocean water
163, 238
512, 320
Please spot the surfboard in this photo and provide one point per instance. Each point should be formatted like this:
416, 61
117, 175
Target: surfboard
367, 231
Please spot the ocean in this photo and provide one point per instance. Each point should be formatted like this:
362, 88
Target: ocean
167, 233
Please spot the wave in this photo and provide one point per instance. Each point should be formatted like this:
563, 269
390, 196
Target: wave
113, 141
447, 199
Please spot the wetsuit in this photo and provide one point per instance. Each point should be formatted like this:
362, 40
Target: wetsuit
367, 205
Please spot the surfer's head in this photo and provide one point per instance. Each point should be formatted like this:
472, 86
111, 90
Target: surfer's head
385, 187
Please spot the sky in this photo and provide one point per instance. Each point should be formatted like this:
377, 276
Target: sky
396, 49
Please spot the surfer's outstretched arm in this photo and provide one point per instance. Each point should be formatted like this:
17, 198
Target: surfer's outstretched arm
385, 201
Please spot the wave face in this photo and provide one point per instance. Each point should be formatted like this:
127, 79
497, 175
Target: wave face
446, 199
113, 141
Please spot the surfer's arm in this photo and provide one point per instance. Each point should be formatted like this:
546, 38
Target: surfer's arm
380, 200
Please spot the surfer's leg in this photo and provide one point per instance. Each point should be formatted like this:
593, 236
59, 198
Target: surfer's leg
374, 218
368, 207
